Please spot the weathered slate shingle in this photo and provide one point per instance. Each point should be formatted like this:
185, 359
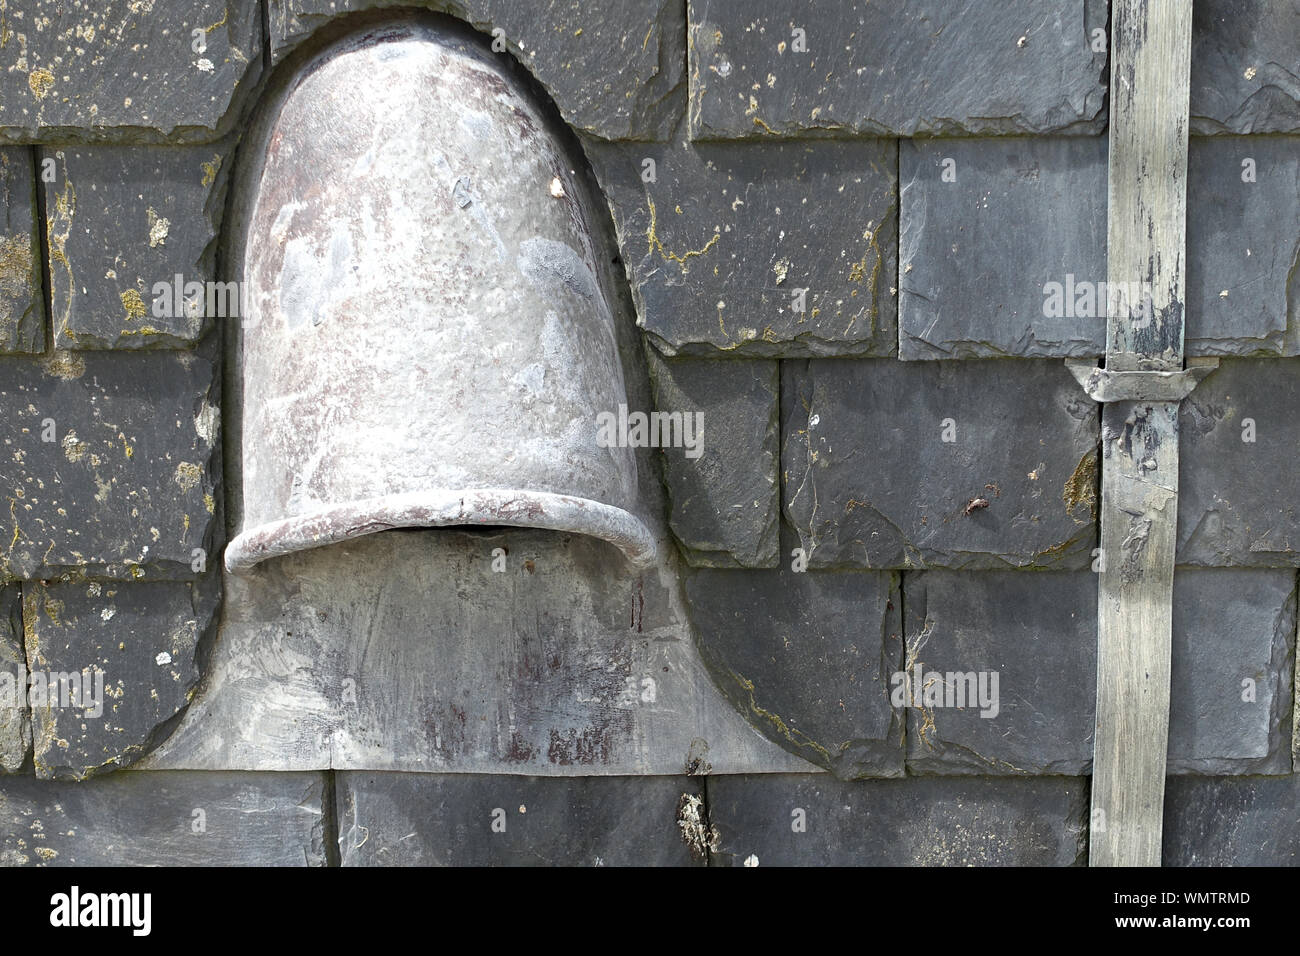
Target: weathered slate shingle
816, 820
844, 67
788, 249
987, 226
164, 819
1245, 66
1238, 485
408, 819
724, 495
1242, 821
889, 464
108, 464
1232, 664
133, 653
615, 68
22, 304
15, 723
124, 223
1038, 634
125, 70
1243, 245
806, 657
984, 224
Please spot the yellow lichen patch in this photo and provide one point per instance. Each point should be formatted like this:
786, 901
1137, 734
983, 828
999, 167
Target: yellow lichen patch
159, 226
15, 272
65, 365
133, 305
1081, 488
211, 169
53, 610
858, 272
39, 82
655, 245
58, 228
74, 449
225, 15
187, 475
209, 503
31, 613
796, 737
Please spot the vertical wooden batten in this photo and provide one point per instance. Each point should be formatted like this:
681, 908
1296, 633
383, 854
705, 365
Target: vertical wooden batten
1146, 213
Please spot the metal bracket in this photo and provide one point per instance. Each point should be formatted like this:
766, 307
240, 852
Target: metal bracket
1103, 385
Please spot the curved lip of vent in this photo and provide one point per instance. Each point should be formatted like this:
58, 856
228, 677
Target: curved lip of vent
440, 508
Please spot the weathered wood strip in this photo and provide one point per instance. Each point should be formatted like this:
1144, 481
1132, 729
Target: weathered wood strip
1150, 49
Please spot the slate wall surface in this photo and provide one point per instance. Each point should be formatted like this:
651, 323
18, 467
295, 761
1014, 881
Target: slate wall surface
838, 225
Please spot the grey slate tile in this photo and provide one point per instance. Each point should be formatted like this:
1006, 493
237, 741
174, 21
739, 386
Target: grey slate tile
1231, 626
1237, 821
1038, 632
615, 68
785, 250
15, 721
134, 651
806, 658
1245, 66
973, 465
122, 220
1243, 246
725, 495
22, 303
164, 819
1237, 479
126, 484
409, 819
914, 67
986, 225
125, 70
919, 821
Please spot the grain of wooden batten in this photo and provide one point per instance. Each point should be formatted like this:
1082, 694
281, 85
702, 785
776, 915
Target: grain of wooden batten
1150, 57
